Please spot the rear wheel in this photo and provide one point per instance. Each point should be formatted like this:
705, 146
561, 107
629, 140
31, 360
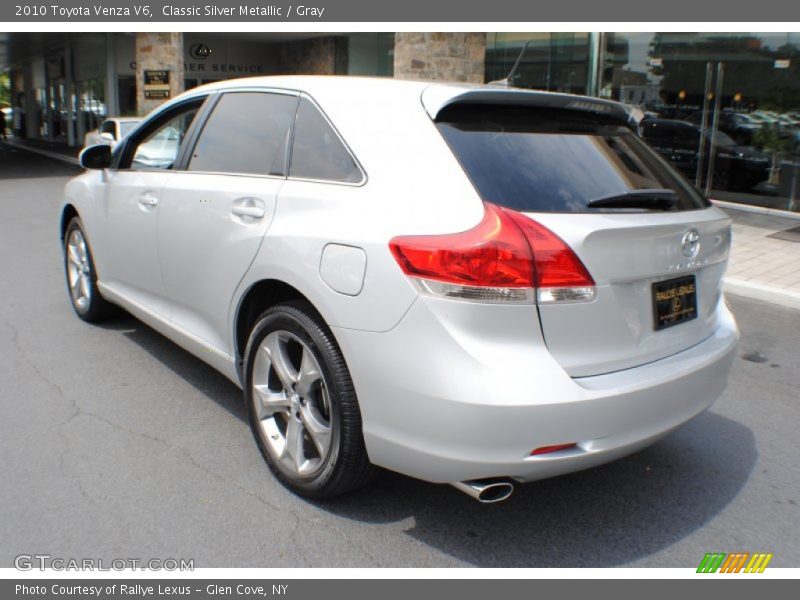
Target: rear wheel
301, 404
79, 268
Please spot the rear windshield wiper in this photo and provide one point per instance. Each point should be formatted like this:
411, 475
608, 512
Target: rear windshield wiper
655, 198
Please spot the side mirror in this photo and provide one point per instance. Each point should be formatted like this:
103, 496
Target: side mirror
96, 157
107, 136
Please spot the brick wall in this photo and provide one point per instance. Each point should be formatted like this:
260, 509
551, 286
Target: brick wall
440, 56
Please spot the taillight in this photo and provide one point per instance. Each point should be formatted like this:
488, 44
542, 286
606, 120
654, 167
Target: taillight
560, 274
503, 259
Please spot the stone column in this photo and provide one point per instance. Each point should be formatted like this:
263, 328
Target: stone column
112, 95
314, 56
440, 56
73, 98
158, 51
30, 107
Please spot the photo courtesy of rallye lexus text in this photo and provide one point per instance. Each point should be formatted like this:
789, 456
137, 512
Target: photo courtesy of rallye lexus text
472, 285
110, 589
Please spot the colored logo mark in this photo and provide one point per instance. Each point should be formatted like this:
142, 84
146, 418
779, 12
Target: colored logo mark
736, 562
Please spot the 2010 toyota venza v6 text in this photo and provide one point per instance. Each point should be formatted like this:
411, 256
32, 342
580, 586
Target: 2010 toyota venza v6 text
466, 284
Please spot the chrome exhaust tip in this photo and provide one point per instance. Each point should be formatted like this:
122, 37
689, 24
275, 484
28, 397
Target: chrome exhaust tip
486, 491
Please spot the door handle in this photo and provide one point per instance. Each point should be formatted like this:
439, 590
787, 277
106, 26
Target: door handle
254, 212
148, 200
248, 209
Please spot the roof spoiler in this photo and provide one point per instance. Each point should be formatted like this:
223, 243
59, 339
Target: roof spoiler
437, 97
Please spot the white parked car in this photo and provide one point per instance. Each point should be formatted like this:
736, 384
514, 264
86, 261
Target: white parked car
465, 284
110, 132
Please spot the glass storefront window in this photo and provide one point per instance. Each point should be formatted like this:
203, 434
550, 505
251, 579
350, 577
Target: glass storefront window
370, 54
663, 76
555, 62
92, 106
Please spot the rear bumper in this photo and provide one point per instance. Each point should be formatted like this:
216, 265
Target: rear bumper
444, 399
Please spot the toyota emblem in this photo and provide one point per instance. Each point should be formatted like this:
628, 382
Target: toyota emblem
690, 244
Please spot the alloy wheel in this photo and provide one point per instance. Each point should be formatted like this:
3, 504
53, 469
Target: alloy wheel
79, 271
291, 403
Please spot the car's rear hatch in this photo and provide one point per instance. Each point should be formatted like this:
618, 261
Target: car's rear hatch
657, 251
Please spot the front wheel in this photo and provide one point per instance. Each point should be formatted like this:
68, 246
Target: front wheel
81, 276
301, 404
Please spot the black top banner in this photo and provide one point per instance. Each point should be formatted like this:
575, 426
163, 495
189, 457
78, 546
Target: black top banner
473, 11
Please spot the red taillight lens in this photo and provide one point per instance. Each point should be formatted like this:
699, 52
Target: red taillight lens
493, 254
557, 266
505, 251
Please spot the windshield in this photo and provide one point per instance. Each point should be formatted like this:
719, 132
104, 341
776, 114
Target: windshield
555, 160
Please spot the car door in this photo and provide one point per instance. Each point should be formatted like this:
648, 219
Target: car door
129, 262
215, 211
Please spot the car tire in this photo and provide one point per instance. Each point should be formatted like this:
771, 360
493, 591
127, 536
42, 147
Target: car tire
301, 404
81, 276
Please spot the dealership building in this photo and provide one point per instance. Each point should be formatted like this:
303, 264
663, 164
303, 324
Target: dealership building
63, 84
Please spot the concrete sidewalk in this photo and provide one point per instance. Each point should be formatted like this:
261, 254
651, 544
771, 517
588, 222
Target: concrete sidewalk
55, 150
765, 257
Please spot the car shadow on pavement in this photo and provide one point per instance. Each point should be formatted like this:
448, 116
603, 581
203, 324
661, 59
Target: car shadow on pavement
603, 517
195, 372
607, 516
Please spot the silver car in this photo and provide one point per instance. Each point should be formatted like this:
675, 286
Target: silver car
465, 284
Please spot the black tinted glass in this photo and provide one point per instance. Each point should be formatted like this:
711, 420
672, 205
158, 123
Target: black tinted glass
246, 133
554, 160
317, 152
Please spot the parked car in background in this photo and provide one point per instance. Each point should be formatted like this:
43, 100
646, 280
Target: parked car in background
465, 284
789, 121
110, 132
736, 167
764, 118
739, 126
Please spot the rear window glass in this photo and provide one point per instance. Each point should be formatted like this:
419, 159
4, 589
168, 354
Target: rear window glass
549, 160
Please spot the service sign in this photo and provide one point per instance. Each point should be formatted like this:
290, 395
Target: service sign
156, 85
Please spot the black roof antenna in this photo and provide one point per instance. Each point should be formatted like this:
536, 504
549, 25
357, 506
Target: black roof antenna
508, 81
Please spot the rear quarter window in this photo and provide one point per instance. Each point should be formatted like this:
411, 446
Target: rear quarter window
318, 152
554, 160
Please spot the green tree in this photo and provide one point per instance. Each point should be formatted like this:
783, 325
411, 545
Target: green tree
5, 90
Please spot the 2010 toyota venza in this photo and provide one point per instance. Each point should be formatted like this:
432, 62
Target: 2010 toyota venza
466, 284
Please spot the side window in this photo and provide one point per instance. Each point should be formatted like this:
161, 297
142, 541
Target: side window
159, 147
317, 151
248, 132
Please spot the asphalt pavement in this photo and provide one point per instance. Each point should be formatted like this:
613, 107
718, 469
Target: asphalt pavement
115, 443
